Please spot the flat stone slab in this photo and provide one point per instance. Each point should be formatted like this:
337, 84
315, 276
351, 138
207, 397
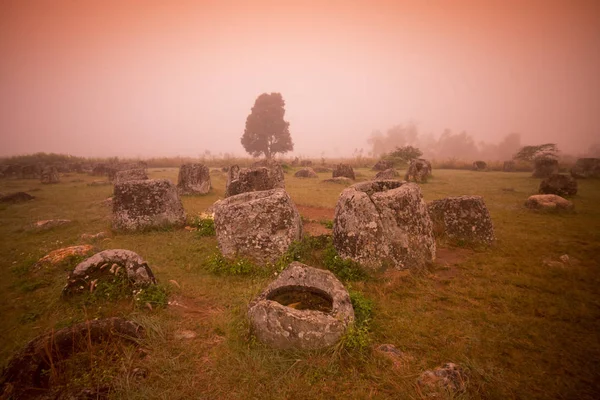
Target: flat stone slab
284, 327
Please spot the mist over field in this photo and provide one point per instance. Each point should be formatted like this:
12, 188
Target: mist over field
460, 78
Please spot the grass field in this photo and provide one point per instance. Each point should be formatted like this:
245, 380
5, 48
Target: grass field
521, 327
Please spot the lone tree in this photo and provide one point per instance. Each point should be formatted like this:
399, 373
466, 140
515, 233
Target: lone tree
530, 153
266, 131
404, 154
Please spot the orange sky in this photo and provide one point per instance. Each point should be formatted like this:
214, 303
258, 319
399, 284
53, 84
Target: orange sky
147, 78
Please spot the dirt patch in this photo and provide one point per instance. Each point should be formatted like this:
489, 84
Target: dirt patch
446, 263
315, 229
316, 213
198, 308
311, 217
451, 256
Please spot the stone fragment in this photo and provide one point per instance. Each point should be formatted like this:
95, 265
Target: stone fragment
419, 170
18, 197
344, 170
449, 378
548, 202
257, 225
193, 179
543, 167
50, 223
384, 223
127, 175
306, 173
382, 165
92, 237
387, 174
50, 175
285, 326
479, 165
254, 179
508, 166
21, 378
559, 184
586, 168
106, 264
146, 204
462, 218
59, 256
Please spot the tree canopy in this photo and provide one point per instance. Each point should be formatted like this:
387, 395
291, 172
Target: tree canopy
529, 153
266, 131
404, 154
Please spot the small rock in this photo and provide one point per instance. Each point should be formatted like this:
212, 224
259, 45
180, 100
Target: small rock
50, 223
306, 173
19, 197
565, 259
449, 377
92, 237
548, 202
185, 334
58, 256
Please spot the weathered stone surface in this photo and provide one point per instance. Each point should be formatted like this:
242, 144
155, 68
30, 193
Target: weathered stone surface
50, 175
387, 174
479, 165
543, 167
107, 264
257, 225
306, 173
384, 223
382, 165
419, 170
285, 327
50, 223
586, 168
112, 169
18, 197
560, 184
254, 179
127, 175
151, 203
344, 170
441, 380
463, 218
193, 179
508, 166
22, 378
339, 180
92, 237
548, 202
322, 169
59, 256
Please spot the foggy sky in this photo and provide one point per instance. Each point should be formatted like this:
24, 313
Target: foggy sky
161, 78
